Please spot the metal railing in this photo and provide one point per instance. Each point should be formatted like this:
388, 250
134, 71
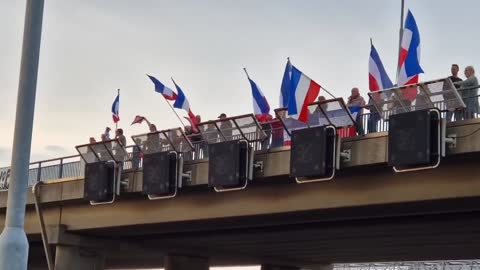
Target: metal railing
47, 170
374, 122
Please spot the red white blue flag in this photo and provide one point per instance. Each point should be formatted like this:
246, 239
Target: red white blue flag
115, 109
303, 91
377, 76
261, 108
181, 102
167, 93
409, 57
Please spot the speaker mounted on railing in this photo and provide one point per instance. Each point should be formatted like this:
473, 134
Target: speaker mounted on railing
230, 152
417, 133
103, 168
163, 153
315, 152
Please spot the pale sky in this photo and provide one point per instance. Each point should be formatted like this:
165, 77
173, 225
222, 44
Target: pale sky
90, 48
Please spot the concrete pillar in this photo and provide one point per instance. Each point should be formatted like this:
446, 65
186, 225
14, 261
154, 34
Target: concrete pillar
78, 258
179, 262
277, 267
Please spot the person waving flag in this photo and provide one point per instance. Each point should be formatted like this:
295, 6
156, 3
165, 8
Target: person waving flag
181, 102
261, 108
115, 108
409, 56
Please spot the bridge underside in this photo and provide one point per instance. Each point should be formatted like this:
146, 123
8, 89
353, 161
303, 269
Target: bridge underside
435, 230
426, 237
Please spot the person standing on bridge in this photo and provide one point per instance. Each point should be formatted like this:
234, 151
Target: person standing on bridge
121, 138
447, 97
107, 133
470, 96
355, 100
225, 126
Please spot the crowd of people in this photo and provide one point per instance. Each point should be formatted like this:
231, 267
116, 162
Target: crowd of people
274, 130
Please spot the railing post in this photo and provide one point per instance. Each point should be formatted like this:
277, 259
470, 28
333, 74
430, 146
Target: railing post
39, 172
60, 170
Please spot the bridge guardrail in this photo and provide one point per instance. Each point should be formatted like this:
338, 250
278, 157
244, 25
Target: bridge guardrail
72, 166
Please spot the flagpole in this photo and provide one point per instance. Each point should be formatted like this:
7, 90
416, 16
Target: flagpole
400, 36
245, 69
327, 92
171, 107
116, 123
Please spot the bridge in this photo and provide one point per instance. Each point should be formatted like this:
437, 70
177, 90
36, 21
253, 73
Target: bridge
365, 213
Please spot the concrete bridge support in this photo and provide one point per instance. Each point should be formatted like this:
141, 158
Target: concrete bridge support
78, 258
182, 262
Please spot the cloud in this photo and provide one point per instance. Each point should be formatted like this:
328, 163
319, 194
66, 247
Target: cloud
5, 155
55, 149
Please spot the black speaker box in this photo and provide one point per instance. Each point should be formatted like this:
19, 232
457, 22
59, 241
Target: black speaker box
413, 138
228, 164
99, 181
312, 152
160, 173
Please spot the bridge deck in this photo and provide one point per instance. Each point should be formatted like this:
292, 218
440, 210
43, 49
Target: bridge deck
367, 213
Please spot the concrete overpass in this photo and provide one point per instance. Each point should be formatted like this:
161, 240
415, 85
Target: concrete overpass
366, 213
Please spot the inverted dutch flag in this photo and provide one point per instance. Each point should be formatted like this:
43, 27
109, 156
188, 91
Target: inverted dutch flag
377, 76
303, 91
286, 84
181, 102
261, 108
409, 57
167, 93
115, 109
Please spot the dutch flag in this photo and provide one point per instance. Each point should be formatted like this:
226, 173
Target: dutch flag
167, 93
303, 91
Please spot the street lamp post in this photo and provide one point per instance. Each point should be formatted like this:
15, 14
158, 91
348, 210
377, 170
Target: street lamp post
13, 240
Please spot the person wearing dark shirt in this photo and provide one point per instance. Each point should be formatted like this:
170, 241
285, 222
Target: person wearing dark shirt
374, 117
454, 78
136, 154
